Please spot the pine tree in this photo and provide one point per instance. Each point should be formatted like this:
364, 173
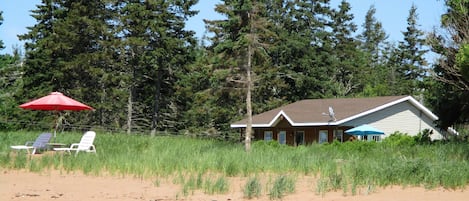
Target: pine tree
373, 35
349, 59
10, 83
447, 92
303, 52
156, 48
373, 44
1, 22
240, 40
412, 63
65, 51
41, 66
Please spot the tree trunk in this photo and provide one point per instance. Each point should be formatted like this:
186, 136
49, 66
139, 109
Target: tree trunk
156, 108
248, 102
129, 111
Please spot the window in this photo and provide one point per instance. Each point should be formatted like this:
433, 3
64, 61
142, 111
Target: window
339, 135
267, 135
282, 137
323, 136
376, 138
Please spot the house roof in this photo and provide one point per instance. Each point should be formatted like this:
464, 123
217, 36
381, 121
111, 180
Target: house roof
315, 112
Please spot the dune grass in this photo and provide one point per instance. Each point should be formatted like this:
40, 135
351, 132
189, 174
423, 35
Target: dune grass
343, 167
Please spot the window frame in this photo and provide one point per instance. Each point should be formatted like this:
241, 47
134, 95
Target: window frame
327, 136
271, 135
279, 139
341, 136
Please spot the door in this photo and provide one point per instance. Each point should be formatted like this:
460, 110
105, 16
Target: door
299, 138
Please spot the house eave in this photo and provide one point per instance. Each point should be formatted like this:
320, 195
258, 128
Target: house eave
293, 124
407, 98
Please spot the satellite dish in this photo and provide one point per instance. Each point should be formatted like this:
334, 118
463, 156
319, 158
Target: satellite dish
332, 114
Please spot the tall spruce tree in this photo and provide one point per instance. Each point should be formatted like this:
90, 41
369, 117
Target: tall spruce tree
1, 22
156, 48
303, 52
240, 40
373, 43
41, 65
41, 70
64, 52
10, 81
412, 64
104, 52
373, 35
349, 58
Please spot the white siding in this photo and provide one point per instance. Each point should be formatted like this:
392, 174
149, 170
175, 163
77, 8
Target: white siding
402, 117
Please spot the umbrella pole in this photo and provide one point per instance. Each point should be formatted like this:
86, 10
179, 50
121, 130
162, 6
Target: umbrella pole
56, 124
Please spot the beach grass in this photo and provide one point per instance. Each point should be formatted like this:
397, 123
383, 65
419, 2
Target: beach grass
207, 164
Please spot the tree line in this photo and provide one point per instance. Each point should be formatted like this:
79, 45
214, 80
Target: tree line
137, 65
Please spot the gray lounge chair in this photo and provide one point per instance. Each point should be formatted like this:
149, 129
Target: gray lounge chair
40, 143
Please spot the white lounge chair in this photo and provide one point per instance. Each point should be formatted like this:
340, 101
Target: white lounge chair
40, 143
86, 144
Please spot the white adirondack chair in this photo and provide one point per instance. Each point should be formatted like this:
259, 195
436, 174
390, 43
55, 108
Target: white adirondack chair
86, 144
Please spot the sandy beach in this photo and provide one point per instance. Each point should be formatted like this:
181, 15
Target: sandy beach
20, 185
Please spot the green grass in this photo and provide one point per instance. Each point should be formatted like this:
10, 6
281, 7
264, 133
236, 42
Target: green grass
282, 186
252, 188
346, 167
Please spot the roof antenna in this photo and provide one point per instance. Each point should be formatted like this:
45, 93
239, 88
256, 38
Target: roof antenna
331, 114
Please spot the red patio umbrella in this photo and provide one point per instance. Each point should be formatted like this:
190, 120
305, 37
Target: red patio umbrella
55, 101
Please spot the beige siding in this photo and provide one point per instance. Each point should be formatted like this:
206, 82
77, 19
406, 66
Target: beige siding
403, 117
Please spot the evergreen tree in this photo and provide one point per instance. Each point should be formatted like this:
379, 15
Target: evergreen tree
303, 52
240, 40
373, 35
1, 22
196, 100
373, 43
349, 58
156, 49
40, 68
412, 63
119, 52
65, 52
448, 95
10, 81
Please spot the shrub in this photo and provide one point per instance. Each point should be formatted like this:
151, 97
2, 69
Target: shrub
423, 137
399, 139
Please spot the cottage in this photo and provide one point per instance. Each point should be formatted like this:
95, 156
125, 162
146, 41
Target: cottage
325, 120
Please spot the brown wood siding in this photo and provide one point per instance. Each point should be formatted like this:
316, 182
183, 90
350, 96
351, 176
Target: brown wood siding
311, 133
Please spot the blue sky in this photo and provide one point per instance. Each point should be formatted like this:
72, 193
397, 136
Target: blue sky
392, 13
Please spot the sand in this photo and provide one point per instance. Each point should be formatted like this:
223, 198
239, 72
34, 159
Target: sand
20, 185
